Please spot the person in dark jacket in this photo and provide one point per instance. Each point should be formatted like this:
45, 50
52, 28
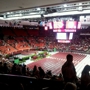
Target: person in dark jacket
68, 69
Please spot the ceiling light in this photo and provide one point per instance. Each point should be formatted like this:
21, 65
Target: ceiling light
33, 13
8, 12
23, 17
80, 8
65, 5
80, 3
1, 18
67, 13
38, 8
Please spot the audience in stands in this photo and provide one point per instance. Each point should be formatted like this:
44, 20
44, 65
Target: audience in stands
15, 44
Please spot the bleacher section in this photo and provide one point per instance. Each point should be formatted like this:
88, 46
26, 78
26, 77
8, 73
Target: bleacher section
24, 39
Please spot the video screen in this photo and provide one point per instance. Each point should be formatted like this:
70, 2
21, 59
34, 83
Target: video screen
70, 36
71, 24
58, 25
64, 30
63, 41
70, 30
62, 36
49, 24
57, 30
79, 25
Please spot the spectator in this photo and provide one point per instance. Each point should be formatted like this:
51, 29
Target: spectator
41, 72
24, 68
13, 69
70, 86
88, 87
35, 71
68, 70
85, 77
5, 68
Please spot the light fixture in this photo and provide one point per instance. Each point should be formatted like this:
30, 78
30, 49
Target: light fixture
67, 13
38, 8
65, 5
80, 3
80, 8
23, 17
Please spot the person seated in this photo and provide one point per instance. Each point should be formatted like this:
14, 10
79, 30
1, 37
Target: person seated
41, 72
35, 71
68, 70
70, 86
88, 87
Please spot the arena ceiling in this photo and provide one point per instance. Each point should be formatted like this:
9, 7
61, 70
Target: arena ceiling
10, 5
20, 8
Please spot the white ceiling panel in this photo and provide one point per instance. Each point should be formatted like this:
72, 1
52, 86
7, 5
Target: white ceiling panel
10, 5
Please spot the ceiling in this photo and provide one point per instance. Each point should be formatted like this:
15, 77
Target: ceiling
37, 8
10, 5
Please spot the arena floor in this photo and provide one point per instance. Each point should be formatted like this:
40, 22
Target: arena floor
57, 59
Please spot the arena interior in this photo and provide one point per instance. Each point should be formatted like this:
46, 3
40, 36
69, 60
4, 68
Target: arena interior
42, 35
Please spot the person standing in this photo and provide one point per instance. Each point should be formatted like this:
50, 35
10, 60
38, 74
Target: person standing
68, 69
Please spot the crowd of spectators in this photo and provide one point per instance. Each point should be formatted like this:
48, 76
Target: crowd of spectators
67, 75
15, 44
